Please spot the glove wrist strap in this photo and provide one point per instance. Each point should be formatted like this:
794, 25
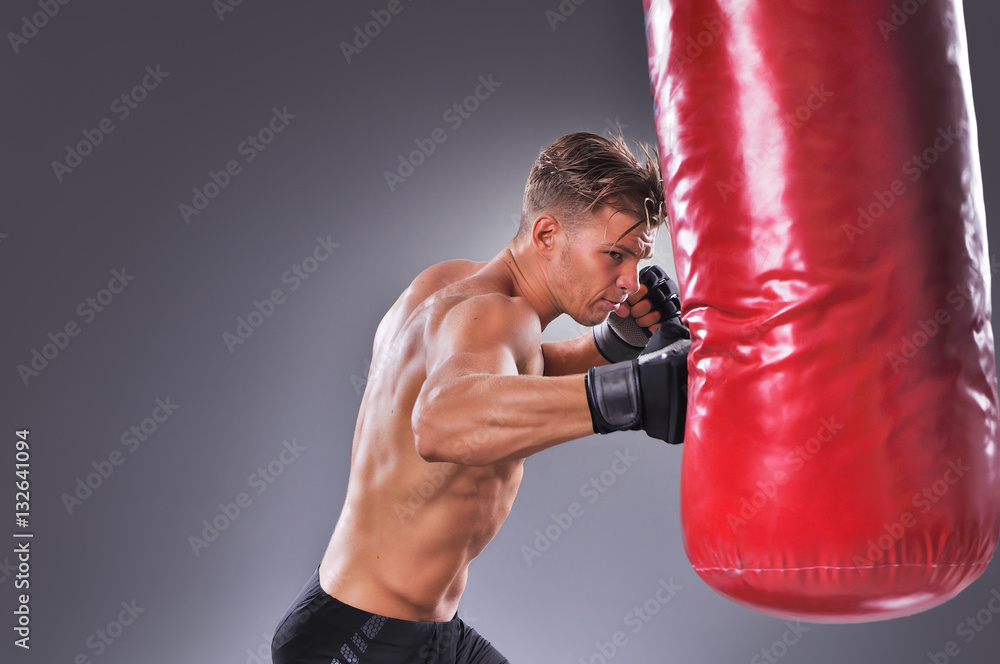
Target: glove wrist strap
613, 396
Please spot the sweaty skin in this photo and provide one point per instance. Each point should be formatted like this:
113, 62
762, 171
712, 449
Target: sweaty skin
460, 390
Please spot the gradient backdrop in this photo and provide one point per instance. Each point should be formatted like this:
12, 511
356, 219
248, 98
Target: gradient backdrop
263, 424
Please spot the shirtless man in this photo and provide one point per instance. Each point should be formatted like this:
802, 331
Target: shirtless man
462, 389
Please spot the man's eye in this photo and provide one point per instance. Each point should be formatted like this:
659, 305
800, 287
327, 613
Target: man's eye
615, 255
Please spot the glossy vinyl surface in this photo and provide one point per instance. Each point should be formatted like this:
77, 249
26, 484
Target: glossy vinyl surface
823, 185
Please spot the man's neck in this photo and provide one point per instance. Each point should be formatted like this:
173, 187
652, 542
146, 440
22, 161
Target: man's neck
528, 281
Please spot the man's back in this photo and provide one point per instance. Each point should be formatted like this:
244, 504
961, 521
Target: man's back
409, 527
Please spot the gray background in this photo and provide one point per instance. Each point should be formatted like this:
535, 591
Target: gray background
299, 375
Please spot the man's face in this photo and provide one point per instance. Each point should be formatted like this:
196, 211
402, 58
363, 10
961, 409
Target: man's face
597, 270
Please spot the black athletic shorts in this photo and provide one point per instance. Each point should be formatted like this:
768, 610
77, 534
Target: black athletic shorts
320, 629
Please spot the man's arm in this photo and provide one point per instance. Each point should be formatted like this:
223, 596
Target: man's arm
571, 356
475, 407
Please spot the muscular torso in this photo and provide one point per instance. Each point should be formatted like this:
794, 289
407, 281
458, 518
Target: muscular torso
409, 528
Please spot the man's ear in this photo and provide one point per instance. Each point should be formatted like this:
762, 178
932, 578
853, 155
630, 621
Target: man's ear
546, 235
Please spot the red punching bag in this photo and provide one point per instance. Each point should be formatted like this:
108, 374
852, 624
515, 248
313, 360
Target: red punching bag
820, 160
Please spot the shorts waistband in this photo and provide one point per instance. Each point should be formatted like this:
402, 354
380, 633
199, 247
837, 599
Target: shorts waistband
394, 625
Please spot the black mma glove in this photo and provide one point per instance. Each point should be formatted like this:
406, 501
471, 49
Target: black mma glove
621, 338
649, 392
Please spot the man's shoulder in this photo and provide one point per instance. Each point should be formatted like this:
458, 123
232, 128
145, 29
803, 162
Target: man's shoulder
444, 274
465, 285
487, 306
472, 309
487, 319
458, 295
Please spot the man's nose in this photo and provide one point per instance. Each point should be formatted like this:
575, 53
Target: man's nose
629, 279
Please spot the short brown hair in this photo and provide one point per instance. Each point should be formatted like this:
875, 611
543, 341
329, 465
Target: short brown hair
583, 171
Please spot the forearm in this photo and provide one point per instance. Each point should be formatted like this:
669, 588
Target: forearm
479, 420
572, 356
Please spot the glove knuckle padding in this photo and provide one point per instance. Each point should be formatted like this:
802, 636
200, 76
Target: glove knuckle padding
662, 291
629, 330
663, 381
620, 338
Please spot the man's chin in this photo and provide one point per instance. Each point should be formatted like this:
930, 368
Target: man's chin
590, 320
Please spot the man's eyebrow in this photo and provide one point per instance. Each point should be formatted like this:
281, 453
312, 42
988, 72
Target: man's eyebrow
621, 247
